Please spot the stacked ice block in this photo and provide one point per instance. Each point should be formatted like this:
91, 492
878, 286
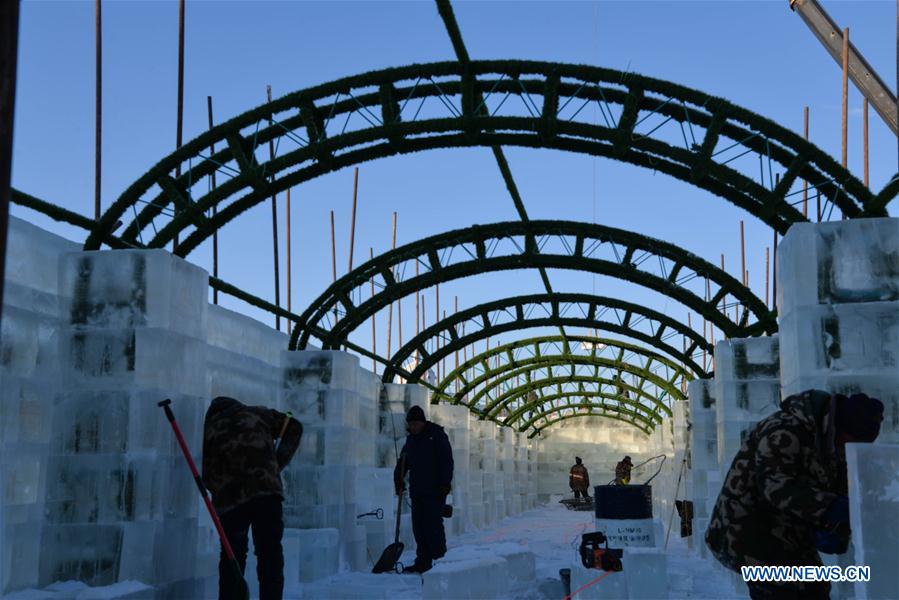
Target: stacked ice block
704, 473
838, 307
28, 370
326, 391
120, 502
747, 389
455, 421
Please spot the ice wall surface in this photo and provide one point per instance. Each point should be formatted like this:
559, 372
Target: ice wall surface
838, 307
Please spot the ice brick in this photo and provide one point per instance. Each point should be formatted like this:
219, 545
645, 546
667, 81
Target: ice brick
479, 578
320, 369
319, 553
874, 515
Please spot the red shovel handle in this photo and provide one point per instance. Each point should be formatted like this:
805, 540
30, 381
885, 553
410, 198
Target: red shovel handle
166, 405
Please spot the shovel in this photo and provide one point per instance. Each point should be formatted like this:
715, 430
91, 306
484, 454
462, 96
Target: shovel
392, 553
234, 584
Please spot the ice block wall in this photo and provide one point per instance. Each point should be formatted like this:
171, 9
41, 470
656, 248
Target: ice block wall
28, 380
119, 503
705, 476
838, 311
747, 389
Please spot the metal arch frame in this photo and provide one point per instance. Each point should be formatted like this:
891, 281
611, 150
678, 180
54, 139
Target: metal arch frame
334, 315
478, 370
520, 308
627, 416
384, 100
549, 423
518, 421
505, 374
557, 383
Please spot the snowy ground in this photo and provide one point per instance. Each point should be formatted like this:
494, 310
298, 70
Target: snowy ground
553, 534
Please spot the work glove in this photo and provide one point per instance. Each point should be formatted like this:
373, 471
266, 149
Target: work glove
444, 490
837, 513
830, 543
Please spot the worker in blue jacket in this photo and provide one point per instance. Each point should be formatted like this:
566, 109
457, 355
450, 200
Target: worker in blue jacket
429, 462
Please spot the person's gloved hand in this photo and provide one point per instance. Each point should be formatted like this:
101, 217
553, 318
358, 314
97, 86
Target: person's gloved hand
444, 490
830, 543
837, 512
398, 488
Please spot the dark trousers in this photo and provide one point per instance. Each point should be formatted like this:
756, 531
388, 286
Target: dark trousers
579, 494
265, 516
427, 525
808, 590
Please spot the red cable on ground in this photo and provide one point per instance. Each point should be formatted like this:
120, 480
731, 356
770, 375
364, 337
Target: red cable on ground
586, 585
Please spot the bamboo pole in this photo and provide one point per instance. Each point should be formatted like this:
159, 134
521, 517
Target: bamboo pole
333, 251
844, 160
353, 219
417, 317
215, 233
180, 101
289, 291
767, 272
98, 108
819, 206
774, 274
443, 360
390, 309
437, 320
374, 347
742, 254
456, 329
271, 156
865, 140
805, 182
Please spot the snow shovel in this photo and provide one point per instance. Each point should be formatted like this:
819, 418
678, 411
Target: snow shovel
392, 553
235, 583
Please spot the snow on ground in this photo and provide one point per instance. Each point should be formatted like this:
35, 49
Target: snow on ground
553, 534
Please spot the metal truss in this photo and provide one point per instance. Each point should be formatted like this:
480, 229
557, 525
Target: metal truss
654, 264
706, 141
557, 416
484, 321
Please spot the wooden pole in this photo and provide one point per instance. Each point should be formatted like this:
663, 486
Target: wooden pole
374, 347
767, 272
289, 291
180, 101
333, 251
742, 254
456, 329
865, 139
98, 115
774, 274
215, 233
437, 320
271, 156
723, 298
819, 207
845, 95
417, 316
443, 360
353, 218
390, 309
9, 46
805, 182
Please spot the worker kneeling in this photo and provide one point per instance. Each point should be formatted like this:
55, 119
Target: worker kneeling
785, 495
429, 462
242, 469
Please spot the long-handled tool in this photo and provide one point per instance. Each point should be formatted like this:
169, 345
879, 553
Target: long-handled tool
391, 555
287, 418
237, 586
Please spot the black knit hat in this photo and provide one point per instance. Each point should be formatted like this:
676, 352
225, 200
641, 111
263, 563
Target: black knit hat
859, 415
577, 459
415, 414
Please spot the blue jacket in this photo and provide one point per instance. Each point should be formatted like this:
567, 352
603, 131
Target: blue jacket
429, 462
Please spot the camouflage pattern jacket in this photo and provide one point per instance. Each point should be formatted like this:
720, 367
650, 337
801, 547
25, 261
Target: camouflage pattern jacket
578, 478
622, 473
780, 484
239, 459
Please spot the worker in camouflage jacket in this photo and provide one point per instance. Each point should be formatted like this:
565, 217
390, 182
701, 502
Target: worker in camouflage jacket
579, 479
623, 471
244, 450
785, 495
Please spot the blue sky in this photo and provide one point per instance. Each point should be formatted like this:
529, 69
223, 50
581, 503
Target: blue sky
757, 54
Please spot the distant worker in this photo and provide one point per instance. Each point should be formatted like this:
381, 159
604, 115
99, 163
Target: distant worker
623, 471
429, 462
785, 495
579, 479
242, 471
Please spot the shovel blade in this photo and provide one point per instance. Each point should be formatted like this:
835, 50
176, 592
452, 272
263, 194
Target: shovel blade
389, 558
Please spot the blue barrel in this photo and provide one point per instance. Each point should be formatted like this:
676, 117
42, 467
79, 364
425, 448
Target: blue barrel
623, 501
